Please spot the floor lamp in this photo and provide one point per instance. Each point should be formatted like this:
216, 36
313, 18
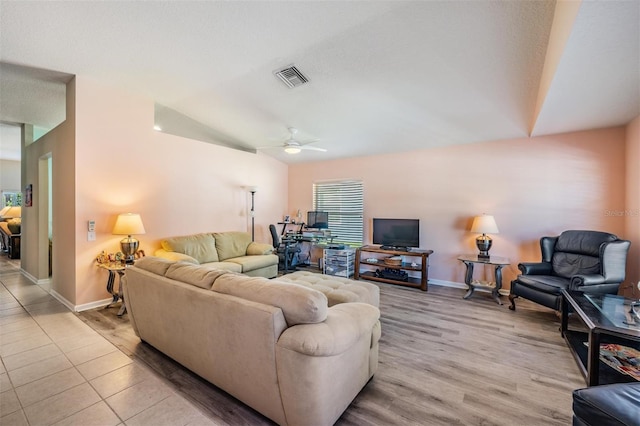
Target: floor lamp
253, 190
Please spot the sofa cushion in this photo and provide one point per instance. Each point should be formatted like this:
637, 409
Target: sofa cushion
227, 266
156, 265
197, 275
251, 263
300, 305
175, 256
569, 264
545, 283
337, 289
201, 247
231, 244
578, 252
583, 242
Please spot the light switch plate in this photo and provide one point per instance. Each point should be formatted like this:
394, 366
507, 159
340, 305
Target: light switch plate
91, 236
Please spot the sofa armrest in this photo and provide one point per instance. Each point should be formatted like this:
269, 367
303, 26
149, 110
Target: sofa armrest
346, 323
175, 256
539, 268
259, 249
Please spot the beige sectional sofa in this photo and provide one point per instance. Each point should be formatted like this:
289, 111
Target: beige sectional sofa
275, 345
231, 251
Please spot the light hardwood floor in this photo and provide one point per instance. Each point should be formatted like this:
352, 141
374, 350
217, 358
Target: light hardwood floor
443, 361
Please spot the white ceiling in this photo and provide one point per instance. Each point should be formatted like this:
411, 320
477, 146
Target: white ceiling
384, 75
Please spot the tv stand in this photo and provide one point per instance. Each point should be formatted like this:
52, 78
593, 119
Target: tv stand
396, 248
422, 266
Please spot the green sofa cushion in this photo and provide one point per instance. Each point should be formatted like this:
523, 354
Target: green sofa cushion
201, 247
231, 244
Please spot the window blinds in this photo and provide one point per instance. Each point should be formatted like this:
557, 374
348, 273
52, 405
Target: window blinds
344, 201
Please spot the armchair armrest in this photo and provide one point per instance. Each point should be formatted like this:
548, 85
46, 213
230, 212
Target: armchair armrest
594, 284
578, 281
538, 268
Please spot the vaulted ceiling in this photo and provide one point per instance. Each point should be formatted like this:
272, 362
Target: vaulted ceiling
384, 75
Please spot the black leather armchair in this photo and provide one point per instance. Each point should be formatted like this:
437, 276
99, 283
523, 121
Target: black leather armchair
287, 250
588, 261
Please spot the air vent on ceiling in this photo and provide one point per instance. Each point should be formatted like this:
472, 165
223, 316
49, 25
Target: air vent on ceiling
291, 76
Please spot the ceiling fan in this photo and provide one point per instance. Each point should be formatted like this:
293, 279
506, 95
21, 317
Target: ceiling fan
294, 146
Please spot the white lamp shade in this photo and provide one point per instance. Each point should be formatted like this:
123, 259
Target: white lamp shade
484, 224
128, 224
11, 212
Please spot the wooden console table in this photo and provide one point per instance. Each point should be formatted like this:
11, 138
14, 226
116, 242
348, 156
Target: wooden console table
422, 267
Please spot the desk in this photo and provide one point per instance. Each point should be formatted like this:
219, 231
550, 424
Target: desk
285, 224
498, 262
115, 268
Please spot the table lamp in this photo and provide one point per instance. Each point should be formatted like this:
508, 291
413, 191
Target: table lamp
129, 224
11, 212
484, 225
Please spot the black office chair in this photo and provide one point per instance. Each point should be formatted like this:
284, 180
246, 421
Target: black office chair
287, 251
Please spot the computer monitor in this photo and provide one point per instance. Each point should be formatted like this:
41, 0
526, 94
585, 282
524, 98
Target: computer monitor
318, 220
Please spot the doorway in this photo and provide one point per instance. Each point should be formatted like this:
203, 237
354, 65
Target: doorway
45, 217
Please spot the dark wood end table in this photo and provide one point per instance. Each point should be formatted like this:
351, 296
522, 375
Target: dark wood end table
494, 287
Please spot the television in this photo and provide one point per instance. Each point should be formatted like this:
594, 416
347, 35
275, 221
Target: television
399, 234
318, 220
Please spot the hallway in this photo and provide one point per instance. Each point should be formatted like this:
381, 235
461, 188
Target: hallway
55, 369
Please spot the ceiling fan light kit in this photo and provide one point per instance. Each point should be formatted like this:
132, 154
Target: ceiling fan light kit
293, 146
292, 149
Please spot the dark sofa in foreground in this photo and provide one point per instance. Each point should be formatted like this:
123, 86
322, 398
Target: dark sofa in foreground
617, 404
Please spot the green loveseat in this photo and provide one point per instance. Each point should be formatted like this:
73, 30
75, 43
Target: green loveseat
232, 251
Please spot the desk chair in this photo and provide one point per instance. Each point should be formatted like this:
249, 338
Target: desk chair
287, 250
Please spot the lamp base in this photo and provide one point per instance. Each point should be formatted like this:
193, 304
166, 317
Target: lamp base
129, 247
483, 243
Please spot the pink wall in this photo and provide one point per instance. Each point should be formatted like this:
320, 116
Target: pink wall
121, 164
632, 207
179, 186
533, 186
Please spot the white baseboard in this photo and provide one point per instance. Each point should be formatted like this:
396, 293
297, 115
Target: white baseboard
93, 305
29, 276
46, 283
62, 300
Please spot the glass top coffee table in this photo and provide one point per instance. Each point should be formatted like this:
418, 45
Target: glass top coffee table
606, 320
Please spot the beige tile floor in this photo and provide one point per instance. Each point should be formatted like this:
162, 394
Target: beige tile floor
55, 370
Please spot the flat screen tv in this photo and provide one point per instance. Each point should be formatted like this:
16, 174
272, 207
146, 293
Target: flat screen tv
396, 233
318, 220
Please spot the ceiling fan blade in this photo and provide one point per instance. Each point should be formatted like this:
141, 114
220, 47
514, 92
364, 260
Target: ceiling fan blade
313, 148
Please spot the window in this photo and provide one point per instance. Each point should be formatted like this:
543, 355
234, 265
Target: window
343, 200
